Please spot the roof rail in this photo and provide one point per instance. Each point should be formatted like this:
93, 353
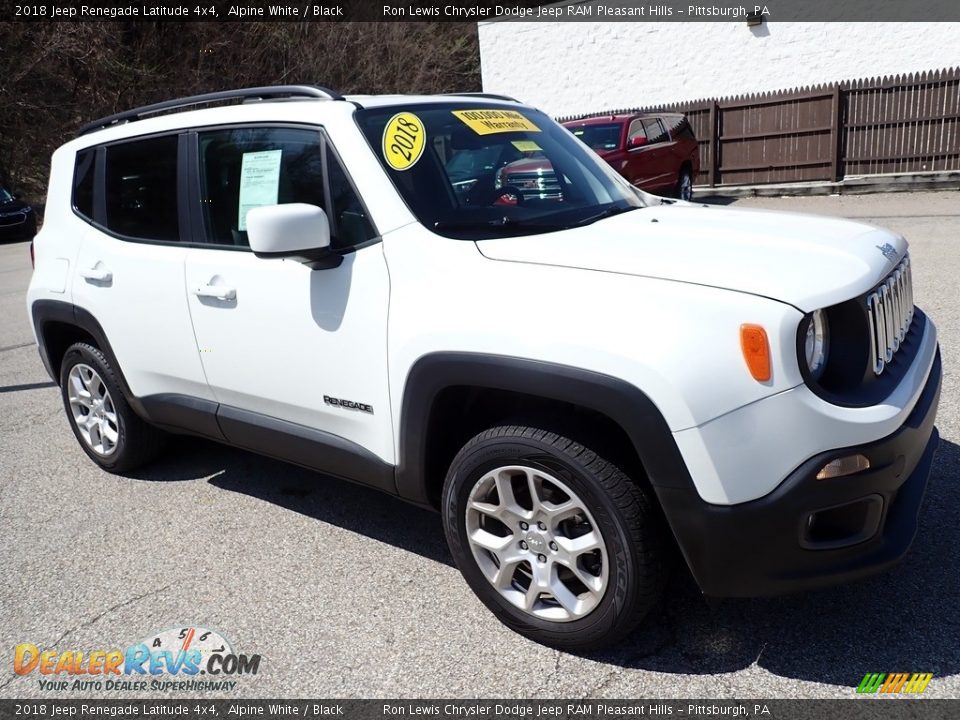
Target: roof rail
492, 96
274, 92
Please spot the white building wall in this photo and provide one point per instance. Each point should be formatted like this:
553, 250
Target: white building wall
567, 68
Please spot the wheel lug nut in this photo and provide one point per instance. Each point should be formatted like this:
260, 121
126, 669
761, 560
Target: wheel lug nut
523, 544
542, 558
542, 525
553, 546
524, 526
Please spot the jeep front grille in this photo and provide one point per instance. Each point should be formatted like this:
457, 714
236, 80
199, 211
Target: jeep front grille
890, 311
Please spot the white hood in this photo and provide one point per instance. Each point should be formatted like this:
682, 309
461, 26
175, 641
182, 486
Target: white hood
807, 261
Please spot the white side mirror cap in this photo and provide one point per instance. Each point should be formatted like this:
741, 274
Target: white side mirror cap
293, 230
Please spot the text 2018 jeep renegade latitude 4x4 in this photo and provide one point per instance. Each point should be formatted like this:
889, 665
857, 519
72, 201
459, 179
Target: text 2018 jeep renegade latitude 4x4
577, 380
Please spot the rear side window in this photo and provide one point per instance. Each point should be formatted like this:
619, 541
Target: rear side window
83, 173
140, 196
679, 127
655, 131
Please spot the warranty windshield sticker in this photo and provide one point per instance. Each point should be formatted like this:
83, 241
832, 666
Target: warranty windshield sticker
403, 141
487, 122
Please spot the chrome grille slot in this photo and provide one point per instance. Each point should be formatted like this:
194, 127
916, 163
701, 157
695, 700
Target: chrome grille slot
890, 312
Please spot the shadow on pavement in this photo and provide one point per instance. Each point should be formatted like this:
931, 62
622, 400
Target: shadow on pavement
705, 198
905, 620
353, 507
28, 386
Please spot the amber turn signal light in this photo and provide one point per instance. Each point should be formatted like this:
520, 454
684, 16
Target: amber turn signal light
849, 465
756, 351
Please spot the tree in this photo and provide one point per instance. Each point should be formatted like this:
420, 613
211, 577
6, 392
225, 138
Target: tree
60, 75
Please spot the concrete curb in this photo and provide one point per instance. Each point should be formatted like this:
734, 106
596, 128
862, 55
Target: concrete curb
853, 185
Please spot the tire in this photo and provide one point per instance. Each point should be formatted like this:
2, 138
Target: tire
89, 387
622, 579
684, 188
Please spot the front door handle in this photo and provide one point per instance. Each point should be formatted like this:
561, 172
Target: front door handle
98, 273
217, 292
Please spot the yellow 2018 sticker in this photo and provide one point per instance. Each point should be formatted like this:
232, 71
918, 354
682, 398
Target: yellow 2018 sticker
487, 122
403, 141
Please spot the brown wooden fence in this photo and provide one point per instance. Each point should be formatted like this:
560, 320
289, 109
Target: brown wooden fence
906, 123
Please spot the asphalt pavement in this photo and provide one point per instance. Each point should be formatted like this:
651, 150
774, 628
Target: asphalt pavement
345, 592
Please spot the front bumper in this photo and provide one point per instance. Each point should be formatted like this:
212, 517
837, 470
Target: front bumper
862, 524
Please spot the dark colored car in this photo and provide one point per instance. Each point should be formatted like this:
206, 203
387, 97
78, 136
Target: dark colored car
656, 152
18, 221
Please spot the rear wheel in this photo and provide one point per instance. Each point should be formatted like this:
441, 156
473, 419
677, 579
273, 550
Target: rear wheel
106, 427
555, 540
684, 189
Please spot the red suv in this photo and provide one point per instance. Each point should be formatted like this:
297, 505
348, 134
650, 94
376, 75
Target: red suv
656, 152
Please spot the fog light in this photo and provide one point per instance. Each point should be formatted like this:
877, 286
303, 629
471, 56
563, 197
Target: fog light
843, 466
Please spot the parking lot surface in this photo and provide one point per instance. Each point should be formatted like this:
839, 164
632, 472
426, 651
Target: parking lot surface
348, 593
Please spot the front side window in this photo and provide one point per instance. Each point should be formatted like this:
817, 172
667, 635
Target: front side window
472, 172
5, 196
141, 189
637, 130
245, 168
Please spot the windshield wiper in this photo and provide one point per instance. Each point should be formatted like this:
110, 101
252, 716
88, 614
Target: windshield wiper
608, 212
499, 223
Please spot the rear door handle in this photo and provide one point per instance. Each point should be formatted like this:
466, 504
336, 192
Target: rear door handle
97, 274
218, 292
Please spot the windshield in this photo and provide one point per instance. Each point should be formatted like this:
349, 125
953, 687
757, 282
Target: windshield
599, 137
479, 172
5, 196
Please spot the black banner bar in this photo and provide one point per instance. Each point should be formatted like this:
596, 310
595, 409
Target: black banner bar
479, 10
862, 708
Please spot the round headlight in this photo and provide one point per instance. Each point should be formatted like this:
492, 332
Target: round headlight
817, 343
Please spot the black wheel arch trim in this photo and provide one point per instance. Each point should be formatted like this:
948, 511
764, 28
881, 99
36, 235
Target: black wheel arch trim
626, 405
48, 311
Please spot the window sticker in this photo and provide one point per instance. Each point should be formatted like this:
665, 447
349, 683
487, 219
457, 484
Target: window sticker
259, 182
526, 146
403, 140
488, 122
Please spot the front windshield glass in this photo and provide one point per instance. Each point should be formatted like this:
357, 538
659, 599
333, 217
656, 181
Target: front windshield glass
480, 171
599, 137
5, 196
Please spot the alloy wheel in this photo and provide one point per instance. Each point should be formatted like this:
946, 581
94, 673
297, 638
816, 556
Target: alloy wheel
92, 409
536, 543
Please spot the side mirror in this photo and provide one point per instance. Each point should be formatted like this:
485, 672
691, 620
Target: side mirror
637, 141
296, 230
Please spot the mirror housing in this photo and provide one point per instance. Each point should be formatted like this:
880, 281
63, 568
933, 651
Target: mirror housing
295, 230
637, 141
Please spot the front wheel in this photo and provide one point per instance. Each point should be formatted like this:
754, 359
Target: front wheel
555, 540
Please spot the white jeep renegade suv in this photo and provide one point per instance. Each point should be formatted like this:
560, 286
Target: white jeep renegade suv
576, 379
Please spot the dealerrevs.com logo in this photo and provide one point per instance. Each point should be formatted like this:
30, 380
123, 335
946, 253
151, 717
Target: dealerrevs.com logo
188, 659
